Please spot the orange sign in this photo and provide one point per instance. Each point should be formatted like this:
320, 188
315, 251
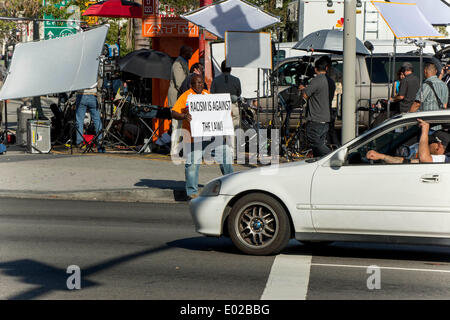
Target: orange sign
168, 27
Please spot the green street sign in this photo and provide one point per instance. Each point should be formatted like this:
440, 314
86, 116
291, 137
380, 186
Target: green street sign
55, 32
55, 29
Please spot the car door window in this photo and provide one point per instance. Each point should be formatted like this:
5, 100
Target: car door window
336, 71
279, 56
399, 141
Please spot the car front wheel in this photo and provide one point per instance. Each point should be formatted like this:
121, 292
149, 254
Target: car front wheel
259, 225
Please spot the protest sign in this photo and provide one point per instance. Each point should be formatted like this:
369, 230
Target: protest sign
211, 115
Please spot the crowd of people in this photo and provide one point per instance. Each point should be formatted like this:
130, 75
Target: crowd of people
431, 95
409, 95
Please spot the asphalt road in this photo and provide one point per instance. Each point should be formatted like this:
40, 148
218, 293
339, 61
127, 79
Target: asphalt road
150, 251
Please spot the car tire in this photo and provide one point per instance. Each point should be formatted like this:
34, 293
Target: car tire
259, 225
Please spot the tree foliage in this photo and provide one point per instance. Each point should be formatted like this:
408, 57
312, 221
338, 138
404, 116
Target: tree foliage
183, 6
442, 30
36, 9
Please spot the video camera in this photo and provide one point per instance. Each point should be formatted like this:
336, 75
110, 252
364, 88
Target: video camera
110, 71
109, 62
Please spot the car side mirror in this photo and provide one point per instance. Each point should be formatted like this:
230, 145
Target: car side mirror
338, 159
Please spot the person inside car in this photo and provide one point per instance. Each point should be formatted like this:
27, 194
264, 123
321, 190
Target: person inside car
431, 148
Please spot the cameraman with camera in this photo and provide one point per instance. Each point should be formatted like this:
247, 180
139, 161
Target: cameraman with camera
319, 94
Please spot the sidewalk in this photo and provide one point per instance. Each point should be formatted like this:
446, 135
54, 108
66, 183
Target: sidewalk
93, 176
103, 177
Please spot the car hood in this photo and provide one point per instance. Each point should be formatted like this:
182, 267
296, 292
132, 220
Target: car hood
268, 178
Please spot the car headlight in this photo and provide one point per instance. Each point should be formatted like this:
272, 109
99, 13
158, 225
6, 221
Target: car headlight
212, 189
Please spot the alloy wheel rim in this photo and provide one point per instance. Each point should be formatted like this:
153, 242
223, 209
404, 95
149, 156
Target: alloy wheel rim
257, 225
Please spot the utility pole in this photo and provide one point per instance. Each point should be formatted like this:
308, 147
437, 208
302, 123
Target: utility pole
348, 83
36, 101
140, 42
300, 10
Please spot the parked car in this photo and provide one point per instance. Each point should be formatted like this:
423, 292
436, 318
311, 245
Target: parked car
339, 197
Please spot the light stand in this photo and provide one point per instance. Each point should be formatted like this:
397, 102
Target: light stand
107, 97
370, 47
421, 45
389, 86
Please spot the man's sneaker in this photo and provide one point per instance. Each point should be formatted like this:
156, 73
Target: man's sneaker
193, 196
188, 198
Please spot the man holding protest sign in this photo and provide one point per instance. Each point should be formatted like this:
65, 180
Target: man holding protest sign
203, 115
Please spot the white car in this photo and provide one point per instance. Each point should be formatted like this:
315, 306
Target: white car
339, 197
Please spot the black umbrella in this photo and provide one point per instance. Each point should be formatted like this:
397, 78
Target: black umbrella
329, 41
147, 64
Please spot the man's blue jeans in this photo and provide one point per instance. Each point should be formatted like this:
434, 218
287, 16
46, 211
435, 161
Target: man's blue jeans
89, 103
221, 154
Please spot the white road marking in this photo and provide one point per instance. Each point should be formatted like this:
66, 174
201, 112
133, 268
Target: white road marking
387, 268
288, 279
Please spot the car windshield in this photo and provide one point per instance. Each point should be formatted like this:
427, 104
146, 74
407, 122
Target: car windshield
291, 73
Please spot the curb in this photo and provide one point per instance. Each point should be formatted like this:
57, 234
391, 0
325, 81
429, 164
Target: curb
150, 195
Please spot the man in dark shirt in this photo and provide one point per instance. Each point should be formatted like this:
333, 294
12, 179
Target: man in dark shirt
196, 68
227, 83
319, 93
408, 88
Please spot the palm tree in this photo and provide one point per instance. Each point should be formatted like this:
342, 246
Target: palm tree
140, 42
